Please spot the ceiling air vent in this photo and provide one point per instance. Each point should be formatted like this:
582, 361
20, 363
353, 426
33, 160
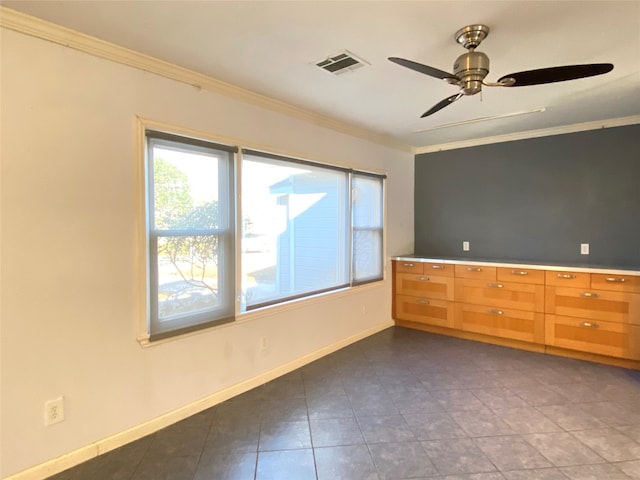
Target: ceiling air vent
341, 63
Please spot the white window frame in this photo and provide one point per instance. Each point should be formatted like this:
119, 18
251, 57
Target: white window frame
225, 232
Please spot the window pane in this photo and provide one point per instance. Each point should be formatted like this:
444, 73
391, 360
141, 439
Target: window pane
367, 255
187, 275
185, 189
191, 234
368, 219
295, 229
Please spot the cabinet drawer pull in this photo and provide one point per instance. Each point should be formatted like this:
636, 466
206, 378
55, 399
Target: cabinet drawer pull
519, 272
408, 264
589, 324
437, 266
616, 279
423, 279
493, 311
589, 295
423, 302
474, 269
495, 285
567, 276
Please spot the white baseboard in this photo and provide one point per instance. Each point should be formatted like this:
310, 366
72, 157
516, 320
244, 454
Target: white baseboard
68, 460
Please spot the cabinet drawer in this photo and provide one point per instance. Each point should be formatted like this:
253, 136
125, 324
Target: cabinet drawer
520, 275
408, 267
424, 286
475, 271
601, 337
514, 324
568, 279
618, 283
520, 296
425, 310
594, 304
439, 269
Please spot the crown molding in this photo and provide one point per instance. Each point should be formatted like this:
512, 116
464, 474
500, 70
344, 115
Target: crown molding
42, 29
544, 132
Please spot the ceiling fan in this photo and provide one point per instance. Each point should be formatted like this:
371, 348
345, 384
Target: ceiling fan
472, 67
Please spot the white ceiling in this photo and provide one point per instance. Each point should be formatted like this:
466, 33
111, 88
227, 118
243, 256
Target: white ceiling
271, 47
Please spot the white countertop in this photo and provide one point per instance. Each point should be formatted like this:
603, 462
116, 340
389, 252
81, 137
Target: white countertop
511, 264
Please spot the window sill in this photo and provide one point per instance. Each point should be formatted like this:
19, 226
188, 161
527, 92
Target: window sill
145, 342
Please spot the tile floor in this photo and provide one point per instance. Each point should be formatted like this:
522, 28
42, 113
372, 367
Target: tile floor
405, 404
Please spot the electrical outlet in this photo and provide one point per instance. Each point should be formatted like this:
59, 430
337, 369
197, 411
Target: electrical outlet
264, 344
54, 411
465, 246
584, 249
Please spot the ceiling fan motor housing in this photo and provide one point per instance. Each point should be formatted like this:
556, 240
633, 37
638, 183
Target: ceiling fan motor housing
471, 68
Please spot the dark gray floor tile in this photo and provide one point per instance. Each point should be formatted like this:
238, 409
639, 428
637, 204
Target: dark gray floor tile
562, 449
323, 386
442, 381
540, 395
283, 409
351, 462
580, 392
334, 432
385, 428
401, 460
329, 406
235, 437
284, 436
416, 401
615, 414
500, 397
526, 420
215, 465
457, 400
594, 472
285, 387
178, 440
571, 417
536, 474
511, 453
474, 476
374, 404
481, 423
166, 468
434, 426
456, 456
286, 465
610, 444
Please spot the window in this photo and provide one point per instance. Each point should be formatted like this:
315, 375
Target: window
190, 233
307, 228
367, 222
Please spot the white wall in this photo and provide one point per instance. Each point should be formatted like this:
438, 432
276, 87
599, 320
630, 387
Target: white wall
70, 259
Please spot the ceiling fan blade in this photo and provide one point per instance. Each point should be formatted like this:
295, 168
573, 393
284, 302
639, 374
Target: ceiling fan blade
557, 74
440, 105
418, 67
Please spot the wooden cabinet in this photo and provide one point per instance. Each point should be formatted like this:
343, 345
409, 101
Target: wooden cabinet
424, 310
602, 318
425, 295
521, 296
617, 283
613, 339
521, 325
560, 311
507, 309
475, 271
